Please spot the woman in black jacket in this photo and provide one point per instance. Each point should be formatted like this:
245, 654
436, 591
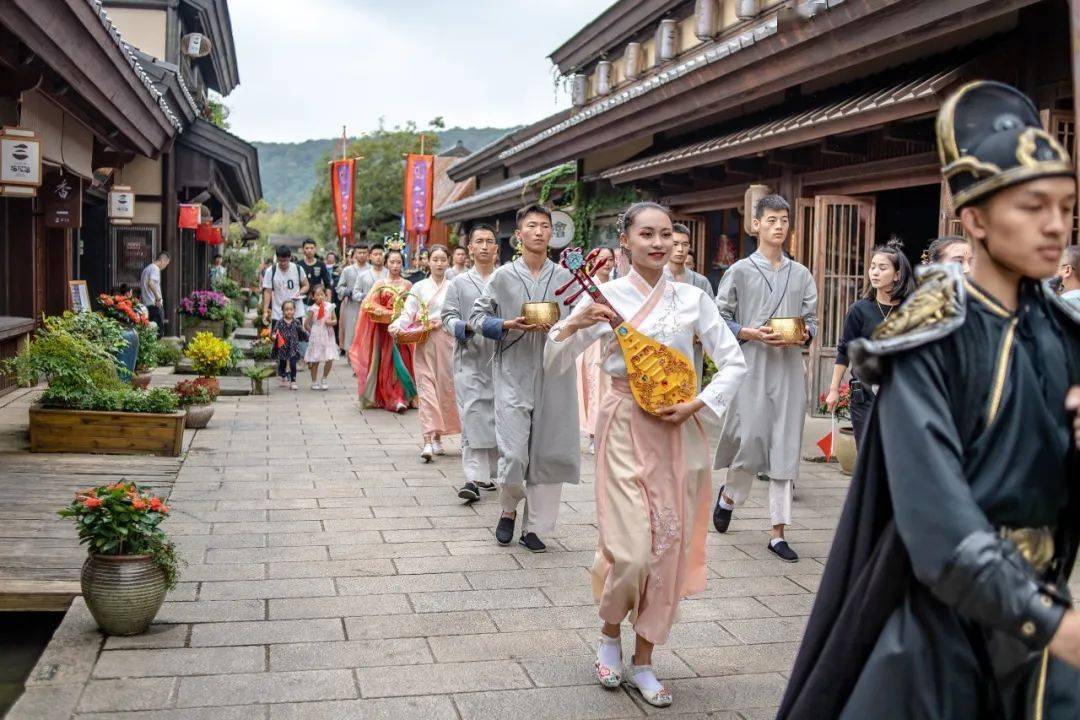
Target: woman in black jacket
890, 282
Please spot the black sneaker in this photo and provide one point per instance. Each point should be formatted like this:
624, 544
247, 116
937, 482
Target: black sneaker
487, 486
469, 493
721, 517
783, 551
504, 531
530, 542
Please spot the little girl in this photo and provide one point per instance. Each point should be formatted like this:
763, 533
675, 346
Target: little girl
288, 334
322, 344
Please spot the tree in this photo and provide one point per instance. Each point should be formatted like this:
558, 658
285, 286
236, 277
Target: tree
379, 181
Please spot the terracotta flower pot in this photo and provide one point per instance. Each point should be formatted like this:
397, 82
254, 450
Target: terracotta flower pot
198, 416
845, 449
211, 384
123, 592
140, 381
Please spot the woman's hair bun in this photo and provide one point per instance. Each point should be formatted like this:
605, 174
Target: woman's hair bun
895, 242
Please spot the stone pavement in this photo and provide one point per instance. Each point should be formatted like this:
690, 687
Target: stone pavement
333, 575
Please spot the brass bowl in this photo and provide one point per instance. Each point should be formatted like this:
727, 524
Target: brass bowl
790, 329
540, 313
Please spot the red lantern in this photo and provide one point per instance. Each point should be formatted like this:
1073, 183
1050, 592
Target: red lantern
216, 237
204, 232
189, 217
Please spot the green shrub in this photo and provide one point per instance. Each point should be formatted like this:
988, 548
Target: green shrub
260, 351
227, 287
167, 355
72, 354
149, 347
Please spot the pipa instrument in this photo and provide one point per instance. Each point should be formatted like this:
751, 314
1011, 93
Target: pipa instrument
659, 376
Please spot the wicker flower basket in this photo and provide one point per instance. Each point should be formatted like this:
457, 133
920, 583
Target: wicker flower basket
413, 337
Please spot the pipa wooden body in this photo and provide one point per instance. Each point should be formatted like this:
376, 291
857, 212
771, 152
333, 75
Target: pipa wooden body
659, 376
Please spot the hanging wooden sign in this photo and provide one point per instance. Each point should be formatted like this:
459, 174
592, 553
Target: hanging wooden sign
61, 197
121, 205
20, 158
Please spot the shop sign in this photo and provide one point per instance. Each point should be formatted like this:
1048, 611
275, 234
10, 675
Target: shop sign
20, 157
562, 230
61, 196
195, 45
121, 205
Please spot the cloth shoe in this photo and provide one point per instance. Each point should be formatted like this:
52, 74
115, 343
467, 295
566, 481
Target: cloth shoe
324, 385
401, 407
314, 386
425, 454
487, 486
783, 551
294, 386
469, 492
609, 662
504, 531
721, 516
436, 446
532, 543
643, 679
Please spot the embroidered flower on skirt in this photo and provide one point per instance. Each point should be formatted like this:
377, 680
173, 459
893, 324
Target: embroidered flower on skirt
665, 534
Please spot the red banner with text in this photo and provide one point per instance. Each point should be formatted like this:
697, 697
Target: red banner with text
343, 192
419, 186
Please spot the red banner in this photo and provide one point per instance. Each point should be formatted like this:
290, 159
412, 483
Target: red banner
419, 185
342, 192
189, 217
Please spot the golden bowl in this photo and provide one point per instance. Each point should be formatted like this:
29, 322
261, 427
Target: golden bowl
790, 329
540, 313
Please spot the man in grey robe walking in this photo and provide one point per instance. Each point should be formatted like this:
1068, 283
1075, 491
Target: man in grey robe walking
762, 433
473, 354
679, 271
536, 415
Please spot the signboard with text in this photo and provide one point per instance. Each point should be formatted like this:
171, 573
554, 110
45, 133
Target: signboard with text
61, 197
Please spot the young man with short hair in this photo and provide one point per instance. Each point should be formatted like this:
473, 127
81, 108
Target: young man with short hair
679, 271
365, 279
763, 428
315, 269
946, 593
284, 280
536, 413
150, 290
460, 260
1069, 274
472, 366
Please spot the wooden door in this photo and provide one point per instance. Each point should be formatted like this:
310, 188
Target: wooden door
801, 244
843, 236
696, 225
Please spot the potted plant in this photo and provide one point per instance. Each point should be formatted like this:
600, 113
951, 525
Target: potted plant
258, 376
210, 356
197, 398
261, 347
131, 563
147, 356
844, 439
74, 354
204, 311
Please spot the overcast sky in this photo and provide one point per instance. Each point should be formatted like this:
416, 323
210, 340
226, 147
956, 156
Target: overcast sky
307, 68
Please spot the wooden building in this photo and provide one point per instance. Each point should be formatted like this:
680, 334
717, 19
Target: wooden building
828, 102
65, 75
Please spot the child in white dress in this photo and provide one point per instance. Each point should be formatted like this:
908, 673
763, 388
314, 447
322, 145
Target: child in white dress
322, 344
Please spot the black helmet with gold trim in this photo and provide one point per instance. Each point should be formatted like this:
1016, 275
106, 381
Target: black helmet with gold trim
990, 138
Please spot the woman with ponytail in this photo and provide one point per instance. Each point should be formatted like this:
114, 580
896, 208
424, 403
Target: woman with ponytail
890, 281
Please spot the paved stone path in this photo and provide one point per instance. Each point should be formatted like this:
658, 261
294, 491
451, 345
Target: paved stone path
333, 575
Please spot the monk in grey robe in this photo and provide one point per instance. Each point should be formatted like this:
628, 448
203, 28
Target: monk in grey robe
365, 279
762, 431
536, 414
473, 355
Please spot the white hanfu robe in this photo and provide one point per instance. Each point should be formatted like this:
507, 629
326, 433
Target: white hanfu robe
763, 430
653, 480
473, 354
433, 360
536, 414
702, 283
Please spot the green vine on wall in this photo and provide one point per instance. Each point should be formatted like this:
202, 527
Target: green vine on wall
563, 182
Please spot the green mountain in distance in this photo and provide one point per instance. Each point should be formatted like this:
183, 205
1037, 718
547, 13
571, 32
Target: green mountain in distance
288, 169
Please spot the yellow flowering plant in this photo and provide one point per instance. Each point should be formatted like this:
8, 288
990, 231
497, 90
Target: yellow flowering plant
209, 355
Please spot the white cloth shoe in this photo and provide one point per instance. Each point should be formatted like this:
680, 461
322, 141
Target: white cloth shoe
643, 679
437, 448
609, 662
426, 453
324, 385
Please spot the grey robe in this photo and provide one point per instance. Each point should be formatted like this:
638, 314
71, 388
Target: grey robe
763, 428
365, 280
473, 354
536, 413
701, 282
350, 309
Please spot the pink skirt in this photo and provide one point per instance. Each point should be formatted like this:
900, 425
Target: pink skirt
433, 363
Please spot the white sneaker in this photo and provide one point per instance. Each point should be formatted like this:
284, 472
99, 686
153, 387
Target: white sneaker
436, 446
314, 386
425, 454
294, 386
325, 385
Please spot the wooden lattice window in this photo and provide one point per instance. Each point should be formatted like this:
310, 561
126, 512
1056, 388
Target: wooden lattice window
1062, 125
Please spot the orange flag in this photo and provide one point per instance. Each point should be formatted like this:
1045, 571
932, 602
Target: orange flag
826, 443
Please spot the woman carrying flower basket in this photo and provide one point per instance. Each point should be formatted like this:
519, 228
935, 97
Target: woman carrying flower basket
384, 369
131, 563
433, 357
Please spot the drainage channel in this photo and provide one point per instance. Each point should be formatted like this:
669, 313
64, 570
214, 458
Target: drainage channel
23, 637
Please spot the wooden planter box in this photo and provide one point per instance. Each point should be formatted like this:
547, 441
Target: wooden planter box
109, 433
191, 325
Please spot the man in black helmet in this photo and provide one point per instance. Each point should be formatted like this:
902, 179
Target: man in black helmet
946, 590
